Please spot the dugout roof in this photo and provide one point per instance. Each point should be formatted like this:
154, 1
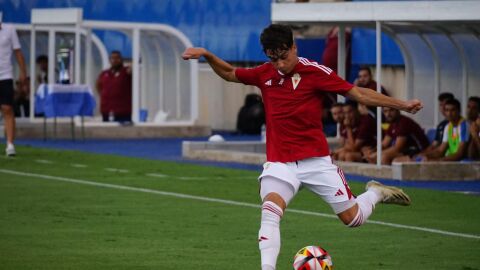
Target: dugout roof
439, 41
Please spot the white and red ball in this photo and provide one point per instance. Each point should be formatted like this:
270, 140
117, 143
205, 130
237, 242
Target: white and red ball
312, 258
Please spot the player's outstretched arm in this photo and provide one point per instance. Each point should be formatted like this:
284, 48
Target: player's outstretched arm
222, 68
370, 97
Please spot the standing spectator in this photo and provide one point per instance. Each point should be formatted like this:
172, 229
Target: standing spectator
403, 137
9, 43
473, 112
455, 136
330, 53
115, 88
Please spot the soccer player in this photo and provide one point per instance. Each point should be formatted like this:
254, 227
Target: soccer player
293, 89
9, 44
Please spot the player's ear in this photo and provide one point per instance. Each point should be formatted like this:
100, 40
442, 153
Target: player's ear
294, 47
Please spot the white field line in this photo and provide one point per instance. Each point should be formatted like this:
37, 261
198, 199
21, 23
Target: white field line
160, 175
207, 199
78, 165
43, 161
116, 170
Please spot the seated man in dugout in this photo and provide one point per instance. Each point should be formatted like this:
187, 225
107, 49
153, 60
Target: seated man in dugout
455, 137
437, 140
359, 132
338, 117
473, 114
403, 139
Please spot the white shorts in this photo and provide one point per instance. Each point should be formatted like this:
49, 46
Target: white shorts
317, 174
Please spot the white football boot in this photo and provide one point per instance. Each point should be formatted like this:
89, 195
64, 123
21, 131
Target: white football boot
10, 150
391, 195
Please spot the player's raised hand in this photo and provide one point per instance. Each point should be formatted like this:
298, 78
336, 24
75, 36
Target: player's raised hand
413, 106
193, 53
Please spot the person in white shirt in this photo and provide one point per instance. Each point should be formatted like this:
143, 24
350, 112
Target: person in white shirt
9, 43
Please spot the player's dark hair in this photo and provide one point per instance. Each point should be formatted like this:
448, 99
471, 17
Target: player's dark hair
453, 102
276, 38
367, 69
445, 96
475, 99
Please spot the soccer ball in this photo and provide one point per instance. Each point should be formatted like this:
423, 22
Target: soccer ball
311, 258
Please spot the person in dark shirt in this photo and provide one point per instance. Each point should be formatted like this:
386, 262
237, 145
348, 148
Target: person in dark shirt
442, 99
42, 65
359, 132
251, 116
473, 114
437, 140
115, 88
365, 79
404, 137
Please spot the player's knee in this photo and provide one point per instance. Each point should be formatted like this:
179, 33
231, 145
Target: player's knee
276, 199
352, 217
357, 221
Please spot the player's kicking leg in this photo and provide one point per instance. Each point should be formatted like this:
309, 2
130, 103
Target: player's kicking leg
328, 181
365, 203
275, 194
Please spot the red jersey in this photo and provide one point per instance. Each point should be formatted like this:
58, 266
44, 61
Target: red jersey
293, 107
116, 92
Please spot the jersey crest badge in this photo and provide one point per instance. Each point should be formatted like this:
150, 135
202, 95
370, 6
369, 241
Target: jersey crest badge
295, 80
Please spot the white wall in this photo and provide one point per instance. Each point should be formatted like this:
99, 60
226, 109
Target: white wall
220, 101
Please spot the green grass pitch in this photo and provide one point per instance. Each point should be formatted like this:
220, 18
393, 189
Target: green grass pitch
49, 223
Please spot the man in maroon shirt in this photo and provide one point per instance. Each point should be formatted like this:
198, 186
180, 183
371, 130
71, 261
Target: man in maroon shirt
293, 89
359, 132
404, 137
365, 80
115, 88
